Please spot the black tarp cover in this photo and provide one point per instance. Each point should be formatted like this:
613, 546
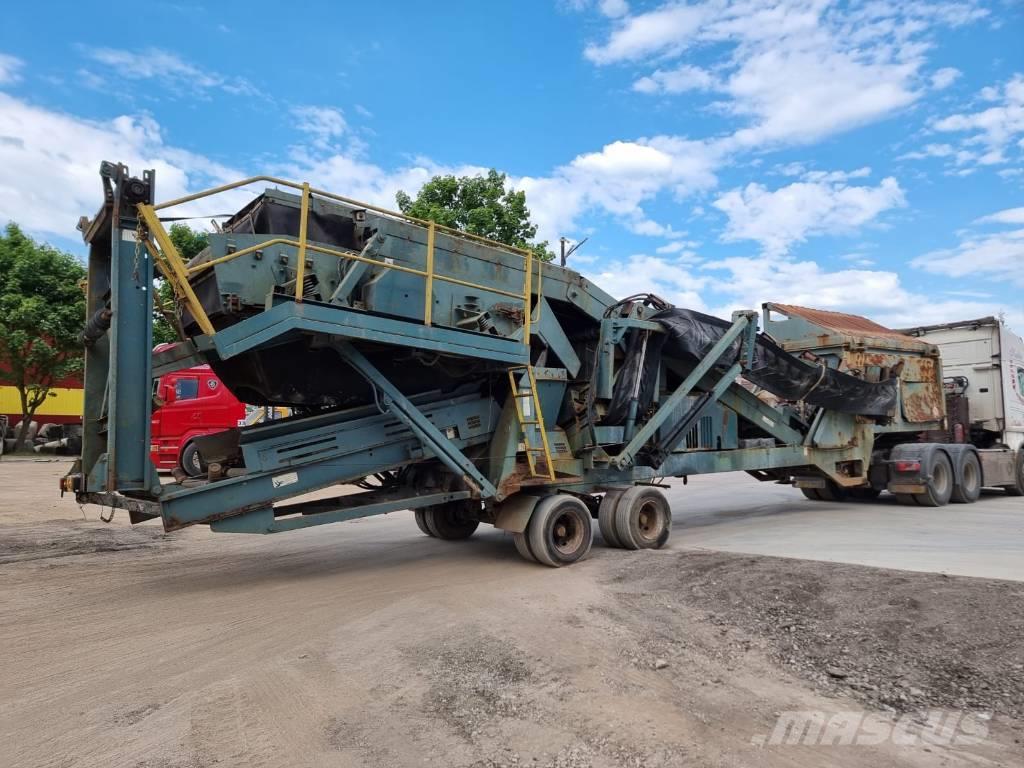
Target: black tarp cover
690, 335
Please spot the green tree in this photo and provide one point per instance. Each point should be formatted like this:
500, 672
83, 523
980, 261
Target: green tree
42, 311
480, 205
189, 243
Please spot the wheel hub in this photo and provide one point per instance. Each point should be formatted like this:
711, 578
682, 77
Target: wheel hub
649, 521
567, 534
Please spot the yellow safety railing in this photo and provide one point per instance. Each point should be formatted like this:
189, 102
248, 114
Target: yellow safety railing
169, 262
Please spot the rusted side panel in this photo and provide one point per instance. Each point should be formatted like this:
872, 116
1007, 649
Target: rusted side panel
921, 390
840, 322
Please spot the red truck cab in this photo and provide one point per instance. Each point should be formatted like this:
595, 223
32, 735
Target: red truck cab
194, 402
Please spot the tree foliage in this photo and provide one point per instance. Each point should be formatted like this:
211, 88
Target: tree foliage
189, 243
480, 205
42, 311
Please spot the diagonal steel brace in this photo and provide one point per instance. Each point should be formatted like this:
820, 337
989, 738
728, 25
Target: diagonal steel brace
422, 427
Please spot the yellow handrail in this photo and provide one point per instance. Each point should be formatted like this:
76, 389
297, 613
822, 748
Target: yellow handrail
340, 198
178, 273
351, 256
174, 263
428, 306
300, 268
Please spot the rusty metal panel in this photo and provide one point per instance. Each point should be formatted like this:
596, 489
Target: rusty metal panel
922, 401
921, 391
840, 322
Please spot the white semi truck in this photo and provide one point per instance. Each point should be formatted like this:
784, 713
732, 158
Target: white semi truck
983, 375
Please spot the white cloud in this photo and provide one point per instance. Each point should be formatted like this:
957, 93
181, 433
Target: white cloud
170, 69
49, 164
992, 131
997, 256
836, 176
678, 246
720, 287
746, 283
674, 280
929, 150
10, 69
1008, 216
613, 9
798, 70
323, 124
778, 219
682, 78
665, 29
617, 180
945, 77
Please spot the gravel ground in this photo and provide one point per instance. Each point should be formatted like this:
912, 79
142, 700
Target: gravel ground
368, 644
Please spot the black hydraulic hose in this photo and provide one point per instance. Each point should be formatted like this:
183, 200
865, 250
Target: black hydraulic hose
97, 325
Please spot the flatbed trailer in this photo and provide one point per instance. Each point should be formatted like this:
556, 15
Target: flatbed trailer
464, 379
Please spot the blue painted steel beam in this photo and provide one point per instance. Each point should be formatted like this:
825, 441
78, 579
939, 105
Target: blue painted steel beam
708, 462
129, 398
371, 452
289, 317
269, 520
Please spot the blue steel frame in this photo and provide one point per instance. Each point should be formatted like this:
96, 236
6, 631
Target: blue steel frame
343, 447
118, 372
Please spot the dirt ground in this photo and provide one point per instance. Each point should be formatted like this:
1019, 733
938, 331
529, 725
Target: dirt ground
368, 644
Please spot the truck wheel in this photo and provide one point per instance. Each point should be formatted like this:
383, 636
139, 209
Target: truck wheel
523, 547
421, 521
192, 462
643, 518
865, 493
451, 521
606, 518
968, 490
560, 531
811, 493
832, 491
940, 487
1017, 488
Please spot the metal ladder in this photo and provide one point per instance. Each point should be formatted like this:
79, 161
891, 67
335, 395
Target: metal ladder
529, 423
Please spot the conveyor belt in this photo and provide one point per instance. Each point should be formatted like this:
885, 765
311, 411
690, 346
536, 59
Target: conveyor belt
689, 335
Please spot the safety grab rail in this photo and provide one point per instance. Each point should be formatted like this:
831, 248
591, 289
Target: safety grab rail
171, 265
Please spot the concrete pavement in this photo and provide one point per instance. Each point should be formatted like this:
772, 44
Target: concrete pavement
733, 512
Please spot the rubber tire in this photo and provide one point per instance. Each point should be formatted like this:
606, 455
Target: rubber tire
1017, 489
421, 521
523, 547
606, 518
937, 497
449, 521
907, 499
833, 492
811, 493
192, 462
866, 493
627, 518
968, 490
540, 530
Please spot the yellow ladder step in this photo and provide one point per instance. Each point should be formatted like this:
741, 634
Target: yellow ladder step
531, 451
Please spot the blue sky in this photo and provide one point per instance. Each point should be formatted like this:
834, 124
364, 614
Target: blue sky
864, 157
